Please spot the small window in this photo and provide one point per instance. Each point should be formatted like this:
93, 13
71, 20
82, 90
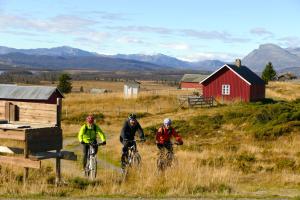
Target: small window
225, 89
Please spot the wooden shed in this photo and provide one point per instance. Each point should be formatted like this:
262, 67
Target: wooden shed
192, 81
131, 89
30, 124
234, 83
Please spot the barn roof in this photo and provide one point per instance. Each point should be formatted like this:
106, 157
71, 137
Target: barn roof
243, 72
194, 78
27, 92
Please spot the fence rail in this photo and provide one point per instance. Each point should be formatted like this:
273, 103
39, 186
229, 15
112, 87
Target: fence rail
200, 101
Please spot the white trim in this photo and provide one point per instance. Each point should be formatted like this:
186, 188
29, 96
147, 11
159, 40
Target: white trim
222, 68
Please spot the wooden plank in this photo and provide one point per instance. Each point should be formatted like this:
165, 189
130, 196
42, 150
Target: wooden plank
11, 150
37, 118
12, 134
34, 106
20, 162
66, 155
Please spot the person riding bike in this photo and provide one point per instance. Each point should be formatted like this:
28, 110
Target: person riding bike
164, 134
130, 127
88, 134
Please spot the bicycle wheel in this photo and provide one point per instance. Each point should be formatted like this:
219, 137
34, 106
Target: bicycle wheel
136, 159
93, 168
170, 159
161, 162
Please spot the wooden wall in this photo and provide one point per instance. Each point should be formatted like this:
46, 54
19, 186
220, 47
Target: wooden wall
26, 112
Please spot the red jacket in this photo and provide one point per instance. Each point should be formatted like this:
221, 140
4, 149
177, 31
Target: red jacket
164, 135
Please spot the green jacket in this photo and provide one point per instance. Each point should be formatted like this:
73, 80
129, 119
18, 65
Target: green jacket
88, 135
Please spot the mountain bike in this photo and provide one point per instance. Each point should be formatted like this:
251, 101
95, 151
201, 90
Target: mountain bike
166, 159
133, 158
91, 164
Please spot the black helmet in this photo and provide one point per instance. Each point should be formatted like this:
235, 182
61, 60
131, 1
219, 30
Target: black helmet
132, 116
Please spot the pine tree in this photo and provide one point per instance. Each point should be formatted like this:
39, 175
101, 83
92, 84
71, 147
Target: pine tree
269, 74
65, 85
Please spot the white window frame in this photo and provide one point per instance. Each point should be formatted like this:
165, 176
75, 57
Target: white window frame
225, 89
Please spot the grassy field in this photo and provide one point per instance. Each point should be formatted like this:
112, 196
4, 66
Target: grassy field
239, 150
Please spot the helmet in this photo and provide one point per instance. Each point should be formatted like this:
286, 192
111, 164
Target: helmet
90, 119
167, 121
132, 116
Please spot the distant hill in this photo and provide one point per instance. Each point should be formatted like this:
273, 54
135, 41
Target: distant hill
67, 57
57, 51
280, 58
77, 62
158, 59
164, 60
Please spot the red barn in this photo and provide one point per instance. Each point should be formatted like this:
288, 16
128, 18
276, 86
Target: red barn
192, 81
234, 83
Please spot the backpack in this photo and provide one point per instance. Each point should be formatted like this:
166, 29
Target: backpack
94, 127
163, 130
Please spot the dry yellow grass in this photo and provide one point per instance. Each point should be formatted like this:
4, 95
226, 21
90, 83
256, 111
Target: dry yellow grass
212, 169
283, 90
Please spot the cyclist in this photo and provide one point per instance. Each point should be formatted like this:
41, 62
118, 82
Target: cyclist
131, 125
164, 134
88, 134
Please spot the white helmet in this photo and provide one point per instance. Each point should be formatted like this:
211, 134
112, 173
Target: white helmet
167, 121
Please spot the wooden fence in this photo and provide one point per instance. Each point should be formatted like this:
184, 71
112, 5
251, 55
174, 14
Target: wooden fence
200, 101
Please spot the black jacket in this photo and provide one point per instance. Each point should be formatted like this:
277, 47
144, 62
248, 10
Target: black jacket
128, 132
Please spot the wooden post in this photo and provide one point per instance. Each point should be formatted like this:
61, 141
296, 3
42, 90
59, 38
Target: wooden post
58, 124
26, 169
58, 112
119, 111
58, 172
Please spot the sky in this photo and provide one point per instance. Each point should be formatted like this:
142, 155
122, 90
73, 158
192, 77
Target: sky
187, 29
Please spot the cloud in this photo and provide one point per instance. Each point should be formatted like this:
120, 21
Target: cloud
93, 37
261, 32
213, 35
57, 24
110, 16
223, 56
208, 35
131, 40
176, 46
159, 30
290, 41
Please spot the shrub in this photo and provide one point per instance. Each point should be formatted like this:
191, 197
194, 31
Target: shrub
80, 118
285, 163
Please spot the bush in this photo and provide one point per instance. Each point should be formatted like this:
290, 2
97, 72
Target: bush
245, 161
80, 118
285, 163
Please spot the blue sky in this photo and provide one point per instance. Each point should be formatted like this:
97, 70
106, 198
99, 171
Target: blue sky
186, 29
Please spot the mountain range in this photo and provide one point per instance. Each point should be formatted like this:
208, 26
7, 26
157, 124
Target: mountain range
67, 57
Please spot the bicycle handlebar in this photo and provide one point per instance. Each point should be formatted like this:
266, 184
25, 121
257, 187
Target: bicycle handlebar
98, 144
134, 140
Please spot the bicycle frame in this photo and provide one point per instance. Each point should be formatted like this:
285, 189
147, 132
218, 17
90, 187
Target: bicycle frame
133, 157
166, 159
91, 165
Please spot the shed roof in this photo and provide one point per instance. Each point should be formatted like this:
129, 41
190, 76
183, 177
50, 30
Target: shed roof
194, 78
27, 92
243, 72
133, 83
